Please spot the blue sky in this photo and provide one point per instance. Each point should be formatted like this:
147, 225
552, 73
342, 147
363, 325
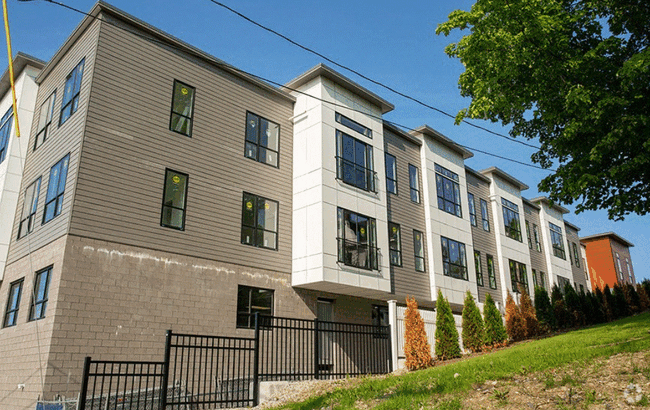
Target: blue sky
391, 42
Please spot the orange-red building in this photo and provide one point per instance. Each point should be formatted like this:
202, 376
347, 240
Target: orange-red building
608, 259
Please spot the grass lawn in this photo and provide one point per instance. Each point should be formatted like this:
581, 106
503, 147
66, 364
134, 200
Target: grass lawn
420, 389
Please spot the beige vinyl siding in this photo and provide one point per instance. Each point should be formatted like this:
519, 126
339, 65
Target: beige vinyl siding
579, 277
537, 259
128, 146
409, 215
61, 140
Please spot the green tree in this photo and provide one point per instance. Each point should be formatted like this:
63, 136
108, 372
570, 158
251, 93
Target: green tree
544, 310
559, 308
573, 305
473, 328
447, 346
575, 76
495, 331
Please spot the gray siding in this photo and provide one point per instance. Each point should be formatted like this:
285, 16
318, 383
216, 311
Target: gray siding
128, 146
537, 259
577, 268
410, 216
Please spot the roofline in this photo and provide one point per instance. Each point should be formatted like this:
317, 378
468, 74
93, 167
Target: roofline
102, 7
571, 225
507, 177
401, 133
20, 61
321, 70
553, 205
530, 204
477, 174
608, 234
430, 132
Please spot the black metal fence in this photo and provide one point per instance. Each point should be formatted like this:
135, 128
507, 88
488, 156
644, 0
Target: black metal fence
200, 372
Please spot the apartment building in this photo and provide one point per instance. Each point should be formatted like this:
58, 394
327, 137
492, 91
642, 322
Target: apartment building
609, 260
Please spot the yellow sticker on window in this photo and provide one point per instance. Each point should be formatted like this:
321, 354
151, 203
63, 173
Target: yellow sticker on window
176, 179
362, 231
249, 205
184, 91
417, 237
267, 206
394, 229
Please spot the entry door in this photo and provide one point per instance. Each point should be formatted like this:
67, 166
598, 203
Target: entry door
325, 314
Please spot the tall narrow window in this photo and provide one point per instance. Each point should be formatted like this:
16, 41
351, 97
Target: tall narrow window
414, 183
454, 260
56, 189
448, 190
418, 248
391, 174
250, 301
576, 255
542, 279
491, 273
13, 304
29, 208
538, 245
485, 216
479, 268
568, 248
472, 209
262, 139
45, 120
39, 297
556, 240
619, 271
71, 92
395, 244
174, 200
259, 222
511, 219
5, 132
354, 162
181, 118
353, 125
530, 242
630, 274
357, 240
535, 284
518, 276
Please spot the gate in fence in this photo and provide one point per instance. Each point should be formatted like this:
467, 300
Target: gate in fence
200, 372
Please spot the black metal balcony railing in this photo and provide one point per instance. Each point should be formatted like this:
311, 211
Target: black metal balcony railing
357, 254
356, 175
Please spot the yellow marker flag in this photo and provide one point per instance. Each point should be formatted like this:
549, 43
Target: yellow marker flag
11, 67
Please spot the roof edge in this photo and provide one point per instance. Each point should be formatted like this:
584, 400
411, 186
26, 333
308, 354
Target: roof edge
446, 141
608, 234
401, 133
551, 204
20, 61
477, 174
567, 223
530, 204
507, 177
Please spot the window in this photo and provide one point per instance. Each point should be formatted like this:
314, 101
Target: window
354, 162
13, 304
454, 260
629, 270
414, 183
472, 209
262, 139
29, 208
259, 222
56, 189
5, 132
619, 271
353, 125
250, 301
562, 282
511, 219
174, 200
448, 191
542, 279
70, 101
391, 174
357, 240
518, 276
181, 118
485, 216
45, 120
418, 248
491, 274
556, 240
395, 244
538, 246
39, 297
568, 248
582, 289
530, 242
479, 268
534, 279
576, 255
380, 318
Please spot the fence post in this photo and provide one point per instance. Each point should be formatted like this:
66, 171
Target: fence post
165, 378
256, 364
84, 384
394, 342
316, 350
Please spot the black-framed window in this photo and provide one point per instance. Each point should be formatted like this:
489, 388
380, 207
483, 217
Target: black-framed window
71, 91
472, 209
262, 139
181, 118
448, 189
556, 241
45, 120
395, 244
39, 297
418, 250
530, 242
562, 282
252, 300
542, 279
30, 203
576, 255
538, 245
391, 174
353, 125
485, 216
380, 318
511, 219
479, 268
13, 303
492, 279
259, 224
5, 132
454, 260
518, 276
354, 163
174, 203
535, 283
357, 240
414, 183
568, 250
56, 189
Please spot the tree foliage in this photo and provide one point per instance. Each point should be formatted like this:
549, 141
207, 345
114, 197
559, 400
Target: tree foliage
447, 345
473, 328
544, 310
573, 74
495, 332
416, 345
515, 323
529, 315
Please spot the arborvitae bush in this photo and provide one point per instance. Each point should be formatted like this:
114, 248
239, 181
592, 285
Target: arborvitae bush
559, 308
544, 310
611, 303
416, 345
644, 301
619, 300
597, 312
495, 332
585, 308
646, 286
528, 314
632, 299
515, 323
573, 306
473, 328
447, 344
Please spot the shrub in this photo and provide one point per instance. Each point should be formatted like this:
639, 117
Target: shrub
644, 301
529, 316
495, 332
447, 346
611, 303
515, 324
573, 306
473, 328
622, 309
416, 345
632, 298
559, 308
597, 310
544, 310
